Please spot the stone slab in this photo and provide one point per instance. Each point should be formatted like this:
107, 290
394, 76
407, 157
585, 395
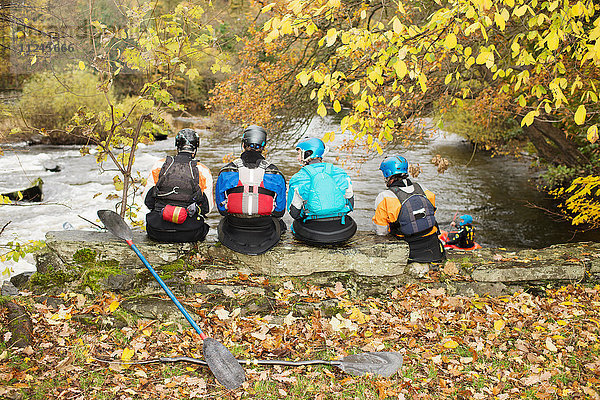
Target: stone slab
365, 255
541, 273
67, 243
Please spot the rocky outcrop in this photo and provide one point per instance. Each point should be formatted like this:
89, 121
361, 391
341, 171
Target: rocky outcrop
368, 265
101, 261
365, 254
19, 324
569, 262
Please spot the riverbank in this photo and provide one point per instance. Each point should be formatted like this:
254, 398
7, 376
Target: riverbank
91, 261
503, 214
540, 340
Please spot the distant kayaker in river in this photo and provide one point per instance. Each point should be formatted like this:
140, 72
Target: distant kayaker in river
465, 236
250, 194
320, 196
179, 194
407, 210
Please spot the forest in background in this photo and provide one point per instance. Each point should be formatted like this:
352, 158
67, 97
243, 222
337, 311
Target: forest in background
507, 75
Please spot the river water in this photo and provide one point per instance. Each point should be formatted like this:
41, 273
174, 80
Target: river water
496, 191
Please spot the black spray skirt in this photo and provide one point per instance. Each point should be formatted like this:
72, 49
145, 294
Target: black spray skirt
326, 231
250, 236
425, 249
193, 229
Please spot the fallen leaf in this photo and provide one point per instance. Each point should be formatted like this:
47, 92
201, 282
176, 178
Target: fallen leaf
127, 354
141, 373
531, 380
289, 319
284, 378
222, 313
261, 334
450, 268
550, 345
450, 344
358, 316
113, 306
590, 392
499, 325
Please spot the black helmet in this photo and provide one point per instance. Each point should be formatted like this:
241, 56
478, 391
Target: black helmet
254, 137
187, 139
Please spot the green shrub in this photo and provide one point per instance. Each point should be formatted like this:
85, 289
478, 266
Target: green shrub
156, 126
49, 101
557, 176
465, 120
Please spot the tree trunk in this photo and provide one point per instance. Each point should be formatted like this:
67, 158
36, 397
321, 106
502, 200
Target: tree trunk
19, 325
128, 166
553, 145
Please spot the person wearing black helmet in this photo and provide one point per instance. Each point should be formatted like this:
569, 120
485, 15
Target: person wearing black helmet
178, 194
407, 211
250, 194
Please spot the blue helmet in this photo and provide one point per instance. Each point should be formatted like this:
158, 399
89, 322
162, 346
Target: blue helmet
311, 148
393, 165
465, 219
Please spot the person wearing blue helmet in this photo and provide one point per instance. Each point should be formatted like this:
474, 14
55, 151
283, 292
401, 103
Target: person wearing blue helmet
407, 210
320, 196
250, 194
465, 236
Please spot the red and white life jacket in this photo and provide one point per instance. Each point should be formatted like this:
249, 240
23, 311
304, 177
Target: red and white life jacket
250, 197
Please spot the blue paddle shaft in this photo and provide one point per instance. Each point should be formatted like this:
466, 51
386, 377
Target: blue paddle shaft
166, 289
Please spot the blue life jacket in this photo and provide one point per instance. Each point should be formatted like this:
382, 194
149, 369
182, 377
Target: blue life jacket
325, 198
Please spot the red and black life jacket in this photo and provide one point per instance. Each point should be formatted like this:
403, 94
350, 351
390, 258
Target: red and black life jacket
178, 181
250, 197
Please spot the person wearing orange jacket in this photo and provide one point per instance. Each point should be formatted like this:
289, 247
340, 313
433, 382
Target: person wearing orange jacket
178, 194
407, 211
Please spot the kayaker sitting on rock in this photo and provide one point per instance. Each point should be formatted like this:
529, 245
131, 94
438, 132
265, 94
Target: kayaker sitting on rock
250, 194
465, 236
320, 196
178, 194
407, 210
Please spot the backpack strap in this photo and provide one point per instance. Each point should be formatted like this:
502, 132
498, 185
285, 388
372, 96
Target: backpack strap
238, 163
162, 177
310, 170
195, 174
263, 164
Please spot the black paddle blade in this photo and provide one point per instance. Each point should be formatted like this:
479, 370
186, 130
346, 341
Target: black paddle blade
115, 224
381, 363
223, 364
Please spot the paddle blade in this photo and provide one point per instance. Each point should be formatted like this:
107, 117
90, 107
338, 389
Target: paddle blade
223, 364
380, 363
115, 224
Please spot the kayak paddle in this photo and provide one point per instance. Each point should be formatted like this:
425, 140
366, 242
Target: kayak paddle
380, 363
221, 362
